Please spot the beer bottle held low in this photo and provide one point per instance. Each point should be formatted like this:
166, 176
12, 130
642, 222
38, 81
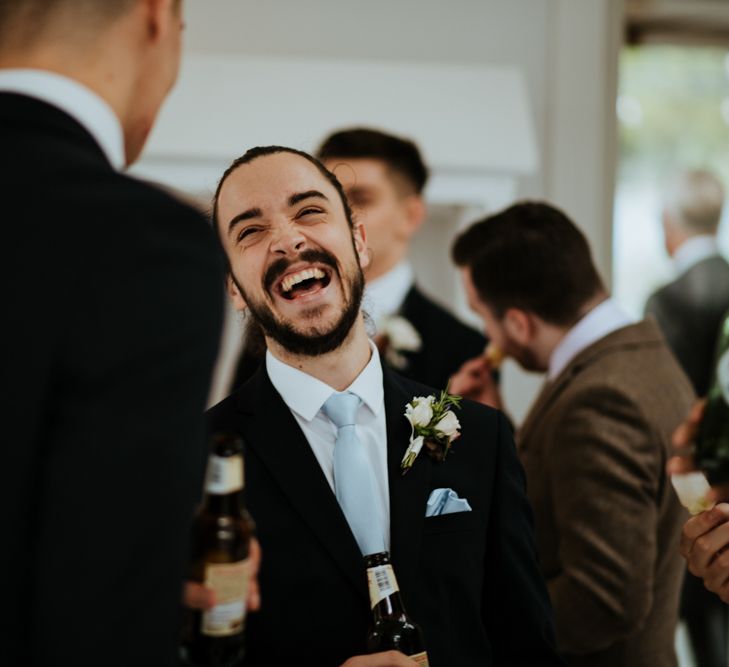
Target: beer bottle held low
221, 537
392, 628
712, 444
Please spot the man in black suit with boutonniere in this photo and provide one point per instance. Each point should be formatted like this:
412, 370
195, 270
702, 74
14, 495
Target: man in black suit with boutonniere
112, 294
325, 432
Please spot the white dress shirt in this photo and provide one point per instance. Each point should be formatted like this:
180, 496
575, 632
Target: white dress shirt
598, 323
384, 295
694, 250
82, 104
305, 396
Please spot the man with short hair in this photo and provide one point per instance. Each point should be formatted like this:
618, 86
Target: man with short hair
325, 482
689, 311
595, 443
112, 294
384, 177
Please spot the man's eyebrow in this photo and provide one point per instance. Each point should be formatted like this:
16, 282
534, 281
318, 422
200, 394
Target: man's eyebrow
241, 217
300, 196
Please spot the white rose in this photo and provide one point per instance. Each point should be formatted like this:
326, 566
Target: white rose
420, 411
448, 425
402, 335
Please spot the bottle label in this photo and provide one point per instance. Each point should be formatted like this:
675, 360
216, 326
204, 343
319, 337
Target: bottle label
230, 583
382, 582
224, 475
420, 659
722, 373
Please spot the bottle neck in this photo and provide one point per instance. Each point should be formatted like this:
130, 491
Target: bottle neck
389, 607
385, 598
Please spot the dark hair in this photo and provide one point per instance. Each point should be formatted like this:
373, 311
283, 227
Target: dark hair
401, 155
530, 256
261, 151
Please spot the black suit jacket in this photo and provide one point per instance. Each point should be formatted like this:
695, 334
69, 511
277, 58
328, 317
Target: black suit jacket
446, 344
113, 296
470, 580
689, 312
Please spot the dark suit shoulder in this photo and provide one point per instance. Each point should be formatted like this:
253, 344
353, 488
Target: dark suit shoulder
428, 315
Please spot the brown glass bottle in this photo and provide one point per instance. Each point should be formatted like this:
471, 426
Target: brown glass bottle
392, 628
221, 536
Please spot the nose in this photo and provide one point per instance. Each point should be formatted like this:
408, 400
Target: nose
288, 241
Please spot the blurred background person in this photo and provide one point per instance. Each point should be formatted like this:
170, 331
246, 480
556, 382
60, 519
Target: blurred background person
596, 440
114, 290
689, 312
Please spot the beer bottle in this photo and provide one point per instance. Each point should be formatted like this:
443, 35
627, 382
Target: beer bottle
712, 444
392, 628
221, 537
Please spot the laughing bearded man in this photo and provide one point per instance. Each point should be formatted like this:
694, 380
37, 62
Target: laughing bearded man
468, 578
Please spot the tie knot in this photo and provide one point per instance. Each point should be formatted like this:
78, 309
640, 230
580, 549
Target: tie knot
342, 409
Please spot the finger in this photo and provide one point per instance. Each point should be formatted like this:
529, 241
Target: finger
706, 548
253, 599
197, 596
717, 574
686, 433
679, 465
701, 524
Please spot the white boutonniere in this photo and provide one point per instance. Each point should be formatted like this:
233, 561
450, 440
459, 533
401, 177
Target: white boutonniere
433, 424
400, 336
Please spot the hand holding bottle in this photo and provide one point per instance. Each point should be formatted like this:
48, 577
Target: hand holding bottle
197, 596
705, 537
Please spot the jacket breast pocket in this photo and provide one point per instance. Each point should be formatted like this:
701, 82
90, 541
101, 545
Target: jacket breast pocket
455, 522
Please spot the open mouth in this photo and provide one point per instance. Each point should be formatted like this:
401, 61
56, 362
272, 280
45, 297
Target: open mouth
304, 282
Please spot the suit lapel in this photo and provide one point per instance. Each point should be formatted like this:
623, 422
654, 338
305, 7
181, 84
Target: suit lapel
408, 493
273, 433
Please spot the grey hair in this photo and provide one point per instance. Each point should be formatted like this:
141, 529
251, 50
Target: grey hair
694, 202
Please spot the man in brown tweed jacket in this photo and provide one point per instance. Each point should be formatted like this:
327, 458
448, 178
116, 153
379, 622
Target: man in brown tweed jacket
596, 441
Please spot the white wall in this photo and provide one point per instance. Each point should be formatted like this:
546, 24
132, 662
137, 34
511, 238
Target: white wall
565, 50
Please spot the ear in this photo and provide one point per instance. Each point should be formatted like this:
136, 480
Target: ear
161, 16
520, 325
236, 298
414, 216
414, 213
359, 235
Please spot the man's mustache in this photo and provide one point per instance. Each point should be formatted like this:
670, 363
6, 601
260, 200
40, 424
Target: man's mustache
280, 266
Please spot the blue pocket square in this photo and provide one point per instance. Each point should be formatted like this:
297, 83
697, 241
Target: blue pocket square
445, 501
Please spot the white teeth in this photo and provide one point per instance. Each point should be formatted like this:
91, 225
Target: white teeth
295, 278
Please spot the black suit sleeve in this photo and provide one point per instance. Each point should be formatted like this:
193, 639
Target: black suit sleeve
516, 607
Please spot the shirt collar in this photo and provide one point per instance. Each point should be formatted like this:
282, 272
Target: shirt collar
82, 104
306, 395
384, 295
598, 323
694, 250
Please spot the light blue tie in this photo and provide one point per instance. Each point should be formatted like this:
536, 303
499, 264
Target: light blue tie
354, 482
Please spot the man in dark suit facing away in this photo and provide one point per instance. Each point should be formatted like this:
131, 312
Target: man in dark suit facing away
384, 177
111, 293
469, 577
689, 312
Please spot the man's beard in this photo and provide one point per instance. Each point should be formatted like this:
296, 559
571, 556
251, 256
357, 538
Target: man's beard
525, 358
316, 342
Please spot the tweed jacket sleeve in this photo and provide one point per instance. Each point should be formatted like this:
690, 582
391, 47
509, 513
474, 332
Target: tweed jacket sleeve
605, 474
